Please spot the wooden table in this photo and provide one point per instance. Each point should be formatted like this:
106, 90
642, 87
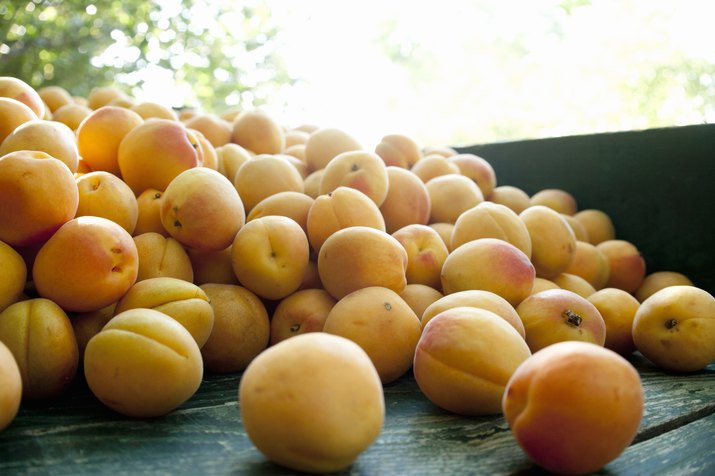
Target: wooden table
78, 435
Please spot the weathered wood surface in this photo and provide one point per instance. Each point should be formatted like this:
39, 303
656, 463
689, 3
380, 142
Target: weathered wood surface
78, 435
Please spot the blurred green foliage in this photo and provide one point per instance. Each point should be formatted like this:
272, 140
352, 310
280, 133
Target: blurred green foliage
218, 51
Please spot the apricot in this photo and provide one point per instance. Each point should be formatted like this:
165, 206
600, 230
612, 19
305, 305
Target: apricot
270, 255
103, 194
295, 137
477, 169
336, 409
294, 205
627, 268
311, 183
13, 114
14, 275
553, 243
559, 200
598, 225
658, 280
357, 257
208, 151
382, 323
325, 143
342, 208
298, 151
444, 151
230, 158
253, 184
574, 283
301, 312
491, 220
19, 90
464, 359
55, 97
311, 278
216, 130
154, 110
675, 328
88, 324
398, 150
71, 115
231, 113
492, 265
618, 309
149, 213
419, 297
510, 196
241, 328
201, 209
10, 387
101, 132
182, 300
172, 148
212, 266
574, 406
426, 253
542, 284
298, 164
38, 194
143, 364
87, 264
432, 166
557, 315
122, 101
102, 95
54, 138
591, 264
40, 336
486, 300
161, 256
407, 201
306, 127
577, 227
450, 195
444, 230
361, 170
258, 132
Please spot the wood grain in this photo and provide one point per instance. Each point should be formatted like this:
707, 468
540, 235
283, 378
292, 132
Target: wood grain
78, 435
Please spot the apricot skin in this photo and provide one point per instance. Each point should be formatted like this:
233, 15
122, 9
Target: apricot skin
464, 359
10, 387
40, 336
675, 328
574, 406
143, 364
317, 416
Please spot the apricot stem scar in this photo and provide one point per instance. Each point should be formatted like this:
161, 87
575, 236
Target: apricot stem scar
572, 318
388, 306
295, 328
177, 223
670, 323
354, 168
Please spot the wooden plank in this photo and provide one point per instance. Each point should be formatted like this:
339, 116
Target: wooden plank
78, 435
689, 449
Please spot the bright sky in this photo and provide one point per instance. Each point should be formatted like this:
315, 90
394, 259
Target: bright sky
486, 70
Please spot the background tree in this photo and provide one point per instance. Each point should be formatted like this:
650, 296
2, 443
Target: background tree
216, 53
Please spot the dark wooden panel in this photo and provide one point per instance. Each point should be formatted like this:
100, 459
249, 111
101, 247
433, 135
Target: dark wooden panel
657, 185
